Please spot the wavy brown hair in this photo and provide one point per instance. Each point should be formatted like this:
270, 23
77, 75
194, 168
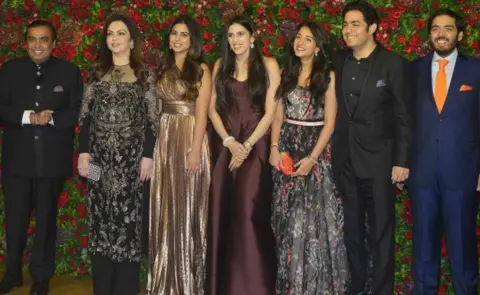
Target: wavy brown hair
192, 71
104, 62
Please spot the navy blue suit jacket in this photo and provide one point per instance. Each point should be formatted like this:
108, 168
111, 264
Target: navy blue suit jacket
447, 144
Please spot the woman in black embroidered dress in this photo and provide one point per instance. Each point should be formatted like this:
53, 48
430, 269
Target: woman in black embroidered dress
117, 133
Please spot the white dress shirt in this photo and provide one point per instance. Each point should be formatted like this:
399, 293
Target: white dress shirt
452, 58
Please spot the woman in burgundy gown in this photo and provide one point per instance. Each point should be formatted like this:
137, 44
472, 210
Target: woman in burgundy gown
241, 253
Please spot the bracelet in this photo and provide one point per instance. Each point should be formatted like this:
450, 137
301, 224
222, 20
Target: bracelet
273, 145
248, 145
227, 139
314, 161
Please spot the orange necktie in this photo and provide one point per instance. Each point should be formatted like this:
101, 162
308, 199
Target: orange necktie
441, 85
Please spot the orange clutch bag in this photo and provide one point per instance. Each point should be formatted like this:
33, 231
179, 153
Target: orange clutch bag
287, 163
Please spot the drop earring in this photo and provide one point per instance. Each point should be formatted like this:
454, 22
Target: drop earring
252, 45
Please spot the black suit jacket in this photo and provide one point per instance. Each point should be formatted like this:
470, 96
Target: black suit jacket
39, 151
376, 135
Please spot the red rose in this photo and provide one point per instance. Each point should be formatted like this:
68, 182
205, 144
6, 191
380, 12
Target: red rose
31, 230
81, 210
3, 258
84, 242
408, 235
442, 290
158, 3
62, 199
101, 14
398, 288
83, 268
157, 26
419, 24
182, 9
401, 39
56, 20
435, 5
207, 35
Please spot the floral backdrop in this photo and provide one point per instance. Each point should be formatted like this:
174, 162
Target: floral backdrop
402, 29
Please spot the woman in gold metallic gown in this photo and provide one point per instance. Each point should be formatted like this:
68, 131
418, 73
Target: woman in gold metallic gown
181, 176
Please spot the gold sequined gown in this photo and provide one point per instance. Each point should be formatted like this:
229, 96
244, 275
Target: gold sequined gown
178, 203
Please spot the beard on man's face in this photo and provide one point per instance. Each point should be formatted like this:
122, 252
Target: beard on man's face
446, 45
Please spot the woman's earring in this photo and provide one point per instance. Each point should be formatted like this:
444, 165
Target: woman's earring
252, 45
316, 53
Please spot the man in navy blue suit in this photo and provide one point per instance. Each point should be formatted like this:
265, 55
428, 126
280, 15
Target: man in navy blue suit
445, 170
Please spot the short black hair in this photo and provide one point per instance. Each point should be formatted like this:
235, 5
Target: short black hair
459, 22
370, 14
42, 23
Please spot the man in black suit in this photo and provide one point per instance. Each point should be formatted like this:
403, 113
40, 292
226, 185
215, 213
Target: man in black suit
370, 146
40, 98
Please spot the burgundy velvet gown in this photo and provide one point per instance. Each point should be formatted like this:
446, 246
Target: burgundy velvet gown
241, 254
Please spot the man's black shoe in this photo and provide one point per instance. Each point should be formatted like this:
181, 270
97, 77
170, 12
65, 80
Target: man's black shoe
10, 283
40, 288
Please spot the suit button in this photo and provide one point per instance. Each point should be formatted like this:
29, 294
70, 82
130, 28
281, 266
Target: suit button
36, 104
36, 137
440, 118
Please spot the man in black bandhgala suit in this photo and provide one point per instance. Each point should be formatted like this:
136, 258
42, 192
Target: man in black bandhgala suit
371, 143
40, 98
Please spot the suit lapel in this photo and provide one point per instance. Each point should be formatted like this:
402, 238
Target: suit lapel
342, 79
427, 74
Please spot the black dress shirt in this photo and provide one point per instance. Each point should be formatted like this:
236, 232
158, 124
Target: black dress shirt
356, 71
34, 150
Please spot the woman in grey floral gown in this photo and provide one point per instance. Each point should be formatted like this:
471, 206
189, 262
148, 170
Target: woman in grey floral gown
117, 134
307, 216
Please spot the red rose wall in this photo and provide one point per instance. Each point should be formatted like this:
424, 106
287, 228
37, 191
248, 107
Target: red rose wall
402, 29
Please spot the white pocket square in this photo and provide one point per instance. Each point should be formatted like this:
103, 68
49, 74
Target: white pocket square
381, 83
58, 88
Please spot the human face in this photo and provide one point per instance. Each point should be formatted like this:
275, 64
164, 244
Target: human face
179, 39
356, 32
239, 39
40, 44
119, 40
444, 35
304, 44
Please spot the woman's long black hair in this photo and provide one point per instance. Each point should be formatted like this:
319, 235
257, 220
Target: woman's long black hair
257, 74
321, 67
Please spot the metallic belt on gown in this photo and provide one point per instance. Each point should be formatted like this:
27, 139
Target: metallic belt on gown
176, 107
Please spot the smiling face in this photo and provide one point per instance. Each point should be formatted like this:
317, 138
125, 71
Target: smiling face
356, 32
239, 39
179, 39
304, 44
40, 44
444, 35
119, 40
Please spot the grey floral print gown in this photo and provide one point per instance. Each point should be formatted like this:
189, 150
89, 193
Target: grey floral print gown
307, 216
